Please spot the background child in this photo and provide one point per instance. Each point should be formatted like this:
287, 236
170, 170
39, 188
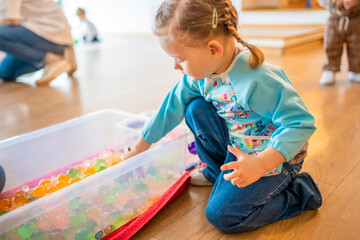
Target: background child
342, 27
251, 127
88, 29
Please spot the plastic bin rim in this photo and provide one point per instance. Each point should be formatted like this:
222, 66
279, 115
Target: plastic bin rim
61, 125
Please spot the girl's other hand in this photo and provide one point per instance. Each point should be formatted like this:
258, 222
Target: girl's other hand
246, 170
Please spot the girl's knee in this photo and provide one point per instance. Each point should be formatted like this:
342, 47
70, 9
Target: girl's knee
225, 221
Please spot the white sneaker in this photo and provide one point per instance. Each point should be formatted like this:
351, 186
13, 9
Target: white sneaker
354, 77
198, 179
53, 70
327, 78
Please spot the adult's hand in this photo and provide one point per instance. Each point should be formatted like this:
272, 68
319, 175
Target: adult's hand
11, 22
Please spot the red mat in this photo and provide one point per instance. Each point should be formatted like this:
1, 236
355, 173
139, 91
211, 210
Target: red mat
129, 229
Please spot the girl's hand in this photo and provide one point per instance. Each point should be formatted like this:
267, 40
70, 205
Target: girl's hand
140, 146
247, 169
349, 4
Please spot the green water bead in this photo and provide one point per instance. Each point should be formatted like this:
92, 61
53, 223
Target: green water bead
141, 186
90, 224
77, 218
83, 207
159, 179
109, 198
10, 233
40, 235
74, 173
84, 234
100, 165
27, 229
69, 232
76, 202
118, 187
153, 171
116, 218
3, 211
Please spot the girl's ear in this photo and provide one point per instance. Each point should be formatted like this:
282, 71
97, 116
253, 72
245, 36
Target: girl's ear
215, 48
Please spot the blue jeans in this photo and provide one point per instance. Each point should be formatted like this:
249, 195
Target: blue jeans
233, 209
26, 51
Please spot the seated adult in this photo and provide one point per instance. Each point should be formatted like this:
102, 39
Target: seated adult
34, 34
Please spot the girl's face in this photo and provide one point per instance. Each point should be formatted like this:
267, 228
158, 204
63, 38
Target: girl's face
197, 62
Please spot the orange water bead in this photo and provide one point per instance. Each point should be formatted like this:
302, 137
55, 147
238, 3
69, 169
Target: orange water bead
92, 213
5, 203
51, 189
74, 180
20, 192
19, 200
39, 191
89, 170
122, 197
63, 177
45, 182
61, 184
53, 213
61, 221
44, 222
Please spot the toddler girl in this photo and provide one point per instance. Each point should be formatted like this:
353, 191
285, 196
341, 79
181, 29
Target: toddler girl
251, 127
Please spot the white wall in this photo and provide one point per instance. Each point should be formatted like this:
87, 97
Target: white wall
117, 16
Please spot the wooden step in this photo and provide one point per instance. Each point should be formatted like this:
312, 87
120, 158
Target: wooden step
278, 40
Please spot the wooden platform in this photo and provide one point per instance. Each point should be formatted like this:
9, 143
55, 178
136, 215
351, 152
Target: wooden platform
279, 40
132, 73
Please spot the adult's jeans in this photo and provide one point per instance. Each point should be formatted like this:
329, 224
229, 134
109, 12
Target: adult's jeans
233, 209
25, 51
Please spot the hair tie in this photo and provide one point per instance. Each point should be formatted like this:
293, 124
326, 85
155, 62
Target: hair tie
214, 19
244, 43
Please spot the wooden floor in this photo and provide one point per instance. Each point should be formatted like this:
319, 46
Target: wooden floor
131, 73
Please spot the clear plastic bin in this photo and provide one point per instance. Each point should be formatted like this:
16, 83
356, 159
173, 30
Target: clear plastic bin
100, 203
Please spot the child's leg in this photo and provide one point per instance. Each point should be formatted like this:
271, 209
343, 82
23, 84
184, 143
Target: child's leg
211, 136
333, 41
270, 199
352, 45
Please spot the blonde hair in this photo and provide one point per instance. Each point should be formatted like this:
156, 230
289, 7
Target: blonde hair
80, 12
196, 19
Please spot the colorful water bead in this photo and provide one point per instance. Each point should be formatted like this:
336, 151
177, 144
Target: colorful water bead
39, 191
40, 234
30, 198
44, 222
5, 203
63, 177
84, 234
100, 165
75, 202
27, 229
61, 221
74, 173
77, 218
3, 211
74, 180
